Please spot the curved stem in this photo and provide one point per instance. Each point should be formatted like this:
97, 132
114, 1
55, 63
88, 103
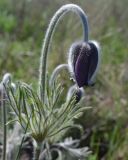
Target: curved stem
43, 60
56, 71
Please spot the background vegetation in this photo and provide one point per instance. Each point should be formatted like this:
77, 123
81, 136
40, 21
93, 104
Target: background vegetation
22, 28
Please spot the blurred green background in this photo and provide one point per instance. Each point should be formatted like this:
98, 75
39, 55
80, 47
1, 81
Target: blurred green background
22, 28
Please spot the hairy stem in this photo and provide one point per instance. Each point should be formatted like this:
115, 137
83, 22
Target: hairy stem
56, 71
6, 79
54, 21
37, 151
4, 125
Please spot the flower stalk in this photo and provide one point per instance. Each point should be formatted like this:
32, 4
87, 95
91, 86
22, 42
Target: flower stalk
6, 79
56, 71
54, 21
37, 151
4, 112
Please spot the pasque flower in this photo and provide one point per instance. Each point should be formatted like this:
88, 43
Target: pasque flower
83, 62
40, 113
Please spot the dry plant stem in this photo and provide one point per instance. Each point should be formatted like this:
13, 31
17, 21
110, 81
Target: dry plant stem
4, 126
54, 21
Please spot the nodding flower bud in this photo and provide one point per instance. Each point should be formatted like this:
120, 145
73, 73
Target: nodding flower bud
83, 62
79, 93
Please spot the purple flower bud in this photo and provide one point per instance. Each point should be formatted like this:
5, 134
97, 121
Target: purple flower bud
83, 61
78, 94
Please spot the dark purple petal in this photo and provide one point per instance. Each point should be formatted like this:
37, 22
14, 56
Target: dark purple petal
84, 61
86, 64
82, 65
76, 47
93, 61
